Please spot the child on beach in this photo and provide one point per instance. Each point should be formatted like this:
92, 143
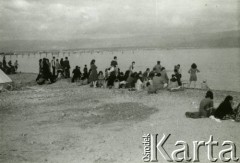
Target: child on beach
193, 74
204, 85
101, 79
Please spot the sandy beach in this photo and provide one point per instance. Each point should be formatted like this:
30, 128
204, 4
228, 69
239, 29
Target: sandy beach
67, 123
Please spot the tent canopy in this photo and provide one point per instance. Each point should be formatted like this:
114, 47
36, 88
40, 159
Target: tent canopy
4, 78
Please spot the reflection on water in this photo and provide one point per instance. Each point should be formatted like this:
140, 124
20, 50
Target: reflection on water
220, 67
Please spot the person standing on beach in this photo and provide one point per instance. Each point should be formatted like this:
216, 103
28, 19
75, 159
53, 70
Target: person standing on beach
62, 62
40, 65
4, 62
53, 63
114, 62
158, 67
193, 74
16, 65
131, 67
59, 69
67, 67
85, 72
93, 77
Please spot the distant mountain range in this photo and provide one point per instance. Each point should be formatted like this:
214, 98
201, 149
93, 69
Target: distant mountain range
225, 39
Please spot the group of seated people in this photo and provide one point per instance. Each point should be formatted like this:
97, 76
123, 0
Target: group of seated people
226, 110
8, 68
152, 81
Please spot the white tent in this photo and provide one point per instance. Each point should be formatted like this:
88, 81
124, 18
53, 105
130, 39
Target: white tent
4, 78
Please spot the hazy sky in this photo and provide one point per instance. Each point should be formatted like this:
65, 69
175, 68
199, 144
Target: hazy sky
74, 19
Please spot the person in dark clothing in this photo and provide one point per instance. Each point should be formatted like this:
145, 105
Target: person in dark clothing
176, 77
40, 65
4, 62
127, 73
62, 62
76, 74
66, 67
132, 79
114, 62
111, 79
1, 66
85, 72
152, 73
225, 108
121, 77
46, 71
146, 74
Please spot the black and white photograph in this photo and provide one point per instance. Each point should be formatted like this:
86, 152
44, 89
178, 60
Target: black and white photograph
119, 81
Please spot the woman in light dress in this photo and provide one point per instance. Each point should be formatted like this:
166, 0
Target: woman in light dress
193, 75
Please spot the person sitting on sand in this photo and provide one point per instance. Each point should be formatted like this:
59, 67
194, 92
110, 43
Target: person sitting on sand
179, 69
146, 75
225, 110
175, 82
152, 74
204, 85
111, 77
139, 82
150, 88
76, 74
101, 79
205, 108
206, 105
130, 83
158, 81
164, 75
121, 76
193, 75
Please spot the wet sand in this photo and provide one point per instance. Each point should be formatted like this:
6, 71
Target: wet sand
67, 123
